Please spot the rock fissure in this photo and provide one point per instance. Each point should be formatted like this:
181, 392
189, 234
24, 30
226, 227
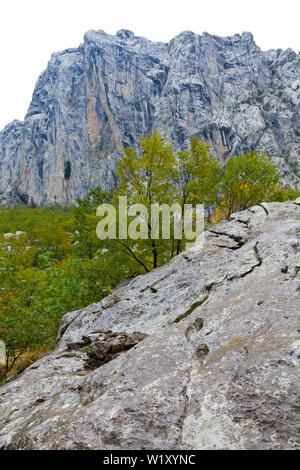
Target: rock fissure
229, 235
195, 305
251, 269
264, 208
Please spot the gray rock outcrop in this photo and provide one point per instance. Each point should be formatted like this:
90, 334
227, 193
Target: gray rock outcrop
94, 100
219, 369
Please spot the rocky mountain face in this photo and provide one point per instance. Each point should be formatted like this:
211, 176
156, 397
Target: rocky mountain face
201, 353
92, 101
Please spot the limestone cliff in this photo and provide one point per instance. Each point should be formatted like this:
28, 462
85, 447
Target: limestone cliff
92, 101
201, 353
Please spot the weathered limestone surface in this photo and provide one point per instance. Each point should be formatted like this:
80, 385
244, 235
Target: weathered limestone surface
219, 369
92, 101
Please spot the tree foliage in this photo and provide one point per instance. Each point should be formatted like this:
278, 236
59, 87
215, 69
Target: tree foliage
159, 175
248, 180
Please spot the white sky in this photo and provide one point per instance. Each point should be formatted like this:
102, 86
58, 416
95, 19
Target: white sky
30, 30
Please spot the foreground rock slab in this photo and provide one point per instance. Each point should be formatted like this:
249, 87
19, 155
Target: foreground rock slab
219, 368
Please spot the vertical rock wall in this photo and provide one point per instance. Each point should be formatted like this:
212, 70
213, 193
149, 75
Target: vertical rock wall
92, 101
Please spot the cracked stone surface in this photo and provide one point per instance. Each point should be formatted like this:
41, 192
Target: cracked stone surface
94, 100
219, 368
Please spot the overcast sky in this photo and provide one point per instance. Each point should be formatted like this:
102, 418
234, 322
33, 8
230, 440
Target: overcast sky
30, 30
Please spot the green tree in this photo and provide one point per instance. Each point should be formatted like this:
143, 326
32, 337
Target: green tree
198, 177
158, 175
21, 327
147, 178
285, 194
248, 179
86, 243
199, 174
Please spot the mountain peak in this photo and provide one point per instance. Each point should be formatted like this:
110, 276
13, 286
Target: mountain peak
125, 34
